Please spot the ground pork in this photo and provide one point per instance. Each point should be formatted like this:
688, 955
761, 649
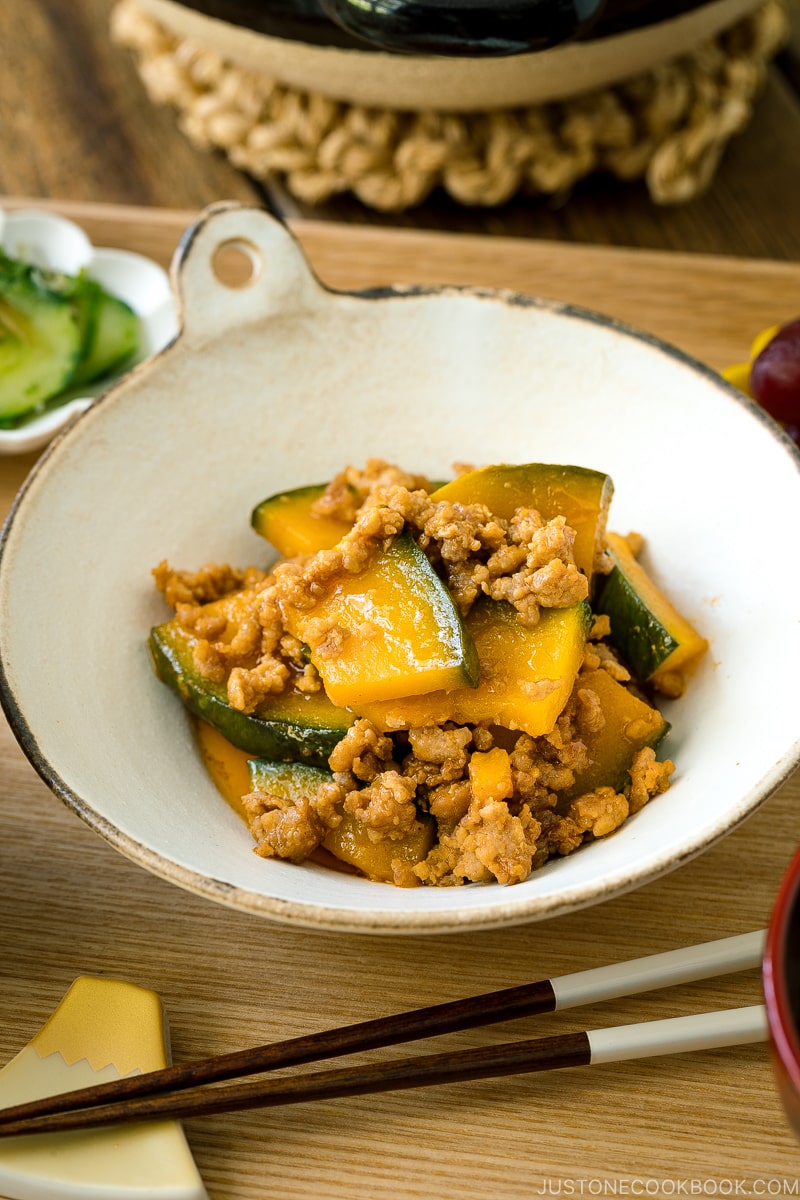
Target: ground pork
446, 747
211, 582
282, 829
488, 843
363, 752
526, 561
559, 835
648, 777
349, 490
448, 803
479, 841
249, 688
386, 807
599, 812
388, 782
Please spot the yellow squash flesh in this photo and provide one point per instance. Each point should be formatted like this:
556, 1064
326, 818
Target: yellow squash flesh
580, 495
287, 521
351, 844
490, 775
392, 630
526, 674
630, 724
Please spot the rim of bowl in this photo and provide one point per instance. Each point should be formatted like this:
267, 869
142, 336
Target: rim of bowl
335, 919
783, 1020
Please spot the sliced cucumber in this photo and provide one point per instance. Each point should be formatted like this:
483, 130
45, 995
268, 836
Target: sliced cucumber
57, 332
112, 335
40, 340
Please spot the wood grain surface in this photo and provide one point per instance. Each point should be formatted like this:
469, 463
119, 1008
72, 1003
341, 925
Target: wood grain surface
76, 124
707, 1123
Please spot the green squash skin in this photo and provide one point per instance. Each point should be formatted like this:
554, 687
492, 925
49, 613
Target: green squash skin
428, 588
636, 633
279, 737
290, 781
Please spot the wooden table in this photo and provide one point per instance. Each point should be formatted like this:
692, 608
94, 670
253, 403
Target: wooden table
77, 128
71, 905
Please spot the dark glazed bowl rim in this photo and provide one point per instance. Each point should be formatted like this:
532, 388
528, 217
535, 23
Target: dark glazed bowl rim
783, 1023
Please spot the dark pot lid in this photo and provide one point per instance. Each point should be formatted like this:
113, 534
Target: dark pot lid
448, 27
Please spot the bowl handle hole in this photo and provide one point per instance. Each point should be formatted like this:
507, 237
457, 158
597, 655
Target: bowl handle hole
236, 263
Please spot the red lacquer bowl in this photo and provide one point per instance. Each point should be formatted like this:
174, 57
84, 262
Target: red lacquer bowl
781, 975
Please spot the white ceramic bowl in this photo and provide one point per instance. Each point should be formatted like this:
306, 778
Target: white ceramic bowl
282, 382
55, 243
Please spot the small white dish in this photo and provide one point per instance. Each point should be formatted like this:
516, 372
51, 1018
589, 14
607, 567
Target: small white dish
53, 242
282, 382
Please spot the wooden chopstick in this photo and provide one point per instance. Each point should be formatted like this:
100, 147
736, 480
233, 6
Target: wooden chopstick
567, 991
703, 1031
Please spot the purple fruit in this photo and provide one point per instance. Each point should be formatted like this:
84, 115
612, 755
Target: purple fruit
775, 377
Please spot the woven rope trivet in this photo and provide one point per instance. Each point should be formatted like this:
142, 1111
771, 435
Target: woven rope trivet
668, 125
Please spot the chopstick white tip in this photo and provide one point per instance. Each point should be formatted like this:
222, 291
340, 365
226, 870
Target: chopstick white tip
703, 961
679, 1035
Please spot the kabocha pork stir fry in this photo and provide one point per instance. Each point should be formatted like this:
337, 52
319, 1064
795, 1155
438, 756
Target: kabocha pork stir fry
436, 683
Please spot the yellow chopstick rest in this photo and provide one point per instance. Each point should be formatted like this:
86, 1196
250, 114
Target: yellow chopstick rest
103, 1029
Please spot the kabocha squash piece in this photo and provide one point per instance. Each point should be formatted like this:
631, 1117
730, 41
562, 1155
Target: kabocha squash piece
580, 495
490, 775
657, 644
349, 842
392, 630
527, 674
286, 520
226, 764
630, 725
289, 782
286, 727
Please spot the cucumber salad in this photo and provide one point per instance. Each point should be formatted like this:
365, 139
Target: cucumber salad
436, 683
58, 334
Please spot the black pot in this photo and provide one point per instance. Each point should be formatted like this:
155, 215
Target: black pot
446, 27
